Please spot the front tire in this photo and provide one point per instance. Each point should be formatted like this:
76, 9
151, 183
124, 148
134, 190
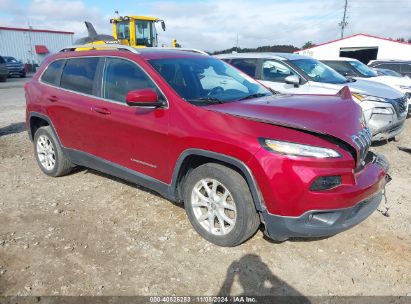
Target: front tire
219, 205
48, 153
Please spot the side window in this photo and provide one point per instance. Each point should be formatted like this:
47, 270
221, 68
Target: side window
2, 60
122, 76
78, 74
248, 66
340, 67
406, 69
276, 71
391, 66
52, 73
123, 30
209, 80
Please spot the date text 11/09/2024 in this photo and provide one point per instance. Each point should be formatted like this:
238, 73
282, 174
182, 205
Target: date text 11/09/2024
203, 299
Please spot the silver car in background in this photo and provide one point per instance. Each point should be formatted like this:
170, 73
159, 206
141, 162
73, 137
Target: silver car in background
384, 108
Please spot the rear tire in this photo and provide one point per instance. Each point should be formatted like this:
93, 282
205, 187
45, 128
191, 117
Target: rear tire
219, 205
3, 79
49, 154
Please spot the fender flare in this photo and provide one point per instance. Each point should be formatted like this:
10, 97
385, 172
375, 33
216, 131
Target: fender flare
46, 118
236, 163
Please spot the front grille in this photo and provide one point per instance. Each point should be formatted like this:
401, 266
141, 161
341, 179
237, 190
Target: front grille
400, 105
363, 141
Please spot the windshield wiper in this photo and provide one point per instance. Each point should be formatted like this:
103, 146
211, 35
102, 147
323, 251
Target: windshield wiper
207, 99
256, 95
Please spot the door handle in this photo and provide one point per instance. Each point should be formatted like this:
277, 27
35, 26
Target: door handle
53, 98
103, 111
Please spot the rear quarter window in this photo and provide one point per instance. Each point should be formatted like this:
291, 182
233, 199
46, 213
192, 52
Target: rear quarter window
52, 73
78, 74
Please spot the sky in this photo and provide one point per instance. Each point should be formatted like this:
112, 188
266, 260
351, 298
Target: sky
215, 24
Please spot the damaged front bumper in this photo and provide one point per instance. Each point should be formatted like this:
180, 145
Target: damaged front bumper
319, 223
385, 126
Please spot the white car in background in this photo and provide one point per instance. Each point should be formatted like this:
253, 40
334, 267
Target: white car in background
384, 108
387, 72
354, 68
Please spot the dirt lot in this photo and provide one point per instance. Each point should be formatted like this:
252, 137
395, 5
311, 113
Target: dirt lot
90, 234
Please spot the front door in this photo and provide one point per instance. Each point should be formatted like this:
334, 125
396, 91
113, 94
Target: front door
273, 75
132, 137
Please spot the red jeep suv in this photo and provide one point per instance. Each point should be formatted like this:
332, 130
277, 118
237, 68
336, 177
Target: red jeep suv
200, 132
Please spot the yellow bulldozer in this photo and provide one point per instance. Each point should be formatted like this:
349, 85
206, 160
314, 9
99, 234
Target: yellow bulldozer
135, 31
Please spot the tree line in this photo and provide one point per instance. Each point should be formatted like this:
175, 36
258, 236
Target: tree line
283, 48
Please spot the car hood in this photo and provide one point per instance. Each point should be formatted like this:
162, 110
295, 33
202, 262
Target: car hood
392, 81
332, 115
362, 86
374, 88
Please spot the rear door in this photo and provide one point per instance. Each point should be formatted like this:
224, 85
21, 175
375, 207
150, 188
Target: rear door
70, 103
132, 137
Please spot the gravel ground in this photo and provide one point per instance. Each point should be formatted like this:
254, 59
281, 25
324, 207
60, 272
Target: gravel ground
92, 234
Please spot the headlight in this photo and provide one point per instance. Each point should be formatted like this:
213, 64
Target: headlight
383, 111
289, 148
363, 97
405, 87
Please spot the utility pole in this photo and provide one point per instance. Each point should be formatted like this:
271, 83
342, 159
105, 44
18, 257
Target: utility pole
31, 52
236, 45
344, 22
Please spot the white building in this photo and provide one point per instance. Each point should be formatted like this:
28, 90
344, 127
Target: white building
362, 47
32, 45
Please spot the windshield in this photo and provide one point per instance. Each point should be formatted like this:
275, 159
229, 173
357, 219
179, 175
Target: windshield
362, 69
144, 32
388, 72
318, 71
11, 60
207, 80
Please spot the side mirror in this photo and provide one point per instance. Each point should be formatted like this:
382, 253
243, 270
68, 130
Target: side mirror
292, 79
143, 98
163, 25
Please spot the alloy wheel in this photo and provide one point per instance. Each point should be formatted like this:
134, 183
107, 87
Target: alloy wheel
46, 152
213, 206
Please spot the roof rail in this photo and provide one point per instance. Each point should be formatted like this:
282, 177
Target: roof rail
110, 46
99, 47
181, 49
